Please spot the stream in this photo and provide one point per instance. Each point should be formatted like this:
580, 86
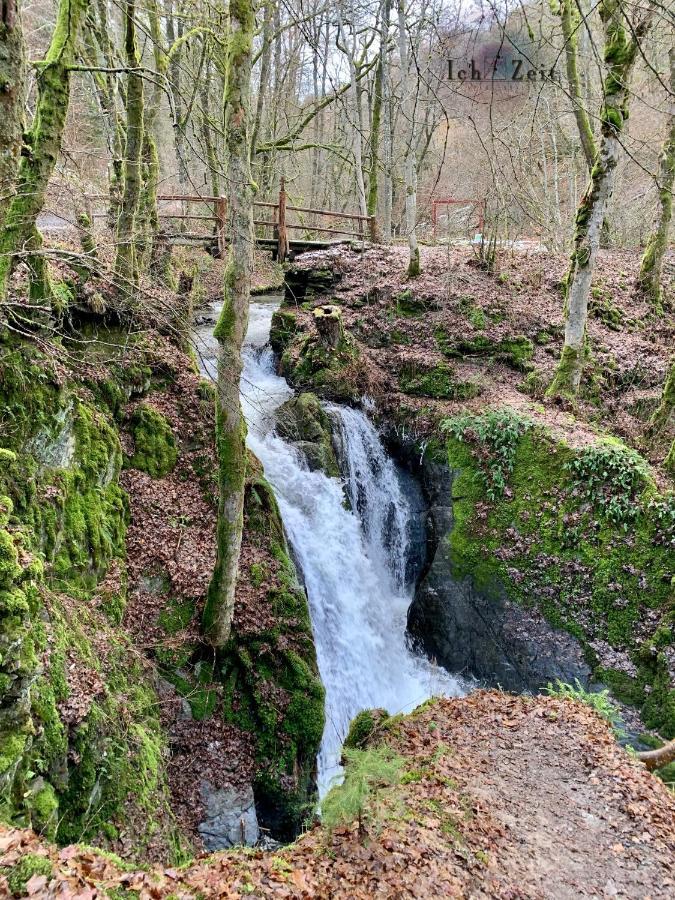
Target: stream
357, 559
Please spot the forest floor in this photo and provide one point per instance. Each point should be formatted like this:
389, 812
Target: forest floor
498, 796
459, 316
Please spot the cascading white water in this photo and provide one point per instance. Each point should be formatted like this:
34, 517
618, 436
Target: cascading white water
353, 560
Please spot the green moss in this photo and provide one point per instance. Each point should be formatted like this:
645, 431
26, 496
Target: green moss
43, 806
155, 446
332, 372
21, 873
439, 382
283, 329
547, 542
516, 351
270, 676
363, 726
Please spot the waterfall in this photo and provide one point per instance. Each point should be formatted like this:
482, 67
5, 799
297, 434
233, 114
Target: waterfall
354, 556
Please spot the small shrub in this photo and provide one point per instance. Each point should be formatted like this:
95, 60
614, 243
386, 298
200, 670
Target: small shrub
611, 477
600, 701
366, 772
495, 436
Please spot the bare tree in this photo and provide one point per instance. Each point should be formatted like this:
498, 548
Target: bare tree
622, 40
649, 278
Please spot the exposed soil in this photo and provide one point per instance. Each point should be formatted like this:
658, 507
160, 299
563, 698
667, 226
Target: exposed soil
504, 797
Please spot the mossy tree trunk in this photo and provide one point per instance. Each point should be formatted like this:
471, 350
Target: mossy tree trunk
649, 279
12, 87
410, 166
231, 327
148, 217
620, 54
126, 262
571, 23
375, 126
20, 232
662, 423
99, 53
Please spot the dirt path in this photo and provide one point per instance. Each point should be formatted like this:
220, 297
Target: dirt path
576, 814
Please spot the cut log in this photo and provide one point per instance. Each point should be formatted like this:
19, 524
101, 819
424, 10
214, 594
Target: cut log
657, 759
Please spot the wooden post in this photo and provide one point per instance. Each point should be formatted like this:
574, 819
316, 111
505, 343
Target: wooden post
221, 221
282, 234
434, 215
374, 229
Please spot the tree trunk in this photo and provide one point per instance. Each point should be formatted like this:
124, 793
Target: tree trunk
354, 91
410, 167
231, 328
620, 54
387, 143
375, 124
571, 23
662, 423
36, 167
12, 88
126, 263
649, 279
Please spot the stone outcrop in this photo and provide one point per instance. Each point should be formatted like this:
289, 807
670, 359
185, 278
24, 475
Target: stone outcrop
303, 422
489, 638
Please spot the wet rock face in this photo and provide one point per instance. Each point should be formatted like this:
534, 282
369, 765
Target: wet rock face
229, 817
303, 422
487, 637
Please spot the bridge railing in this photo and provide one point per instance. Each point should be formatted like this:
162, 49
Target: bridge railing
358, 226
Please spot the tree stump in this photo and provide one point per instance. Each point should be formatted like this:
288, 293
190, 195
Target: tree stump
328, 321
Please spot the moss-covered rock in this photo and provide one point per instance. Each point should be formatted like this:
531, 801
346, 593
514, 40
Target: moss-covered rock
303, 421
155, 445
330, 372
272, 684
516, 351
439, 382
583, 537
81, 744
283, 329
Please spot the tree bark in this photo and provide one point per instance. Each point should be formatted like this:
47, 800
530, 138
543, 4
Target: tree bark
662, 423
620, 54
12, 89
649, 279
571, 23
410, 167
126, 262
44, 141
350, 53
387, 142
375, 127
231, 328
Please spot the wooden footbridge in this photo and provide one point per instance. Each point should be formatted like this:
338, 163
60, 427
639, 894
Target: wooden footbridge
276, 231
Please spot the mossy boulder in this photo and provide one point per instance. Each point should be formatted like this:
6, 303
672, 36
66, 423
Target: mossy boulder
582, 538
283, 329
516, 351
154, 442
439, 382
269, 669
332, 372
303, 422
